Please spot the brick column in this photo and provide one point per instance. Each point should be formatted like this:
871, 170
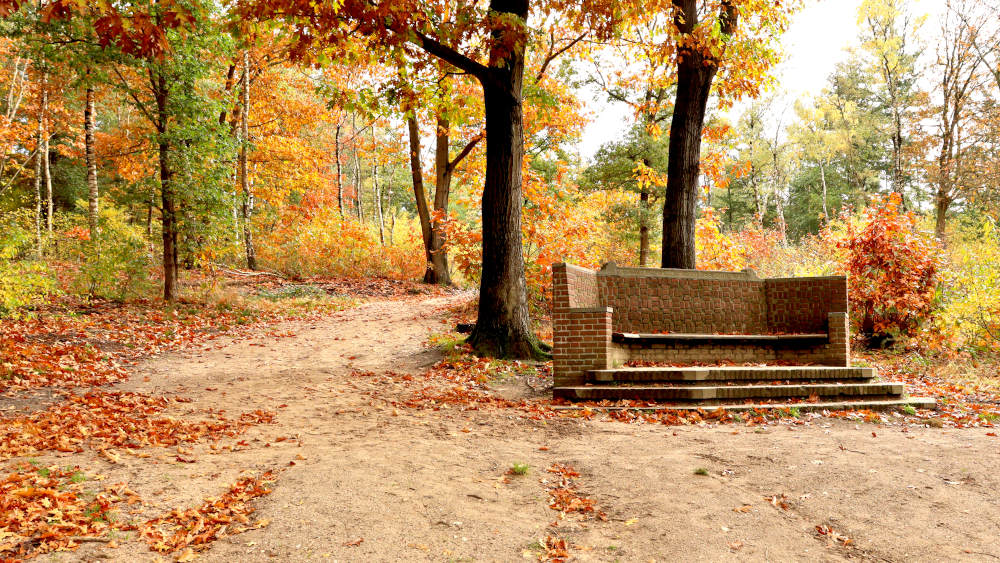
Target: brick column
582, 341
839, 348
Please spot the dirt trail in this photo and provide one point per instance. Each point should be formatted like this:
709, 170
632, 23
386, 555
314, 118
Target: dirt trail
429, 485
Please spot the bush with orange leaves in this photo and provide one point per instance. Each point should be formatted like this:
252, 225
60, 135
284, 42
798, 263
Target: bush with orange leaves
892, 267
326, 244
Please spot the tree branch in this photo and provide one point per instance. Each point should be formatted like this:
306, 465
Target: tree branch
553, 54
465, 152
451, 56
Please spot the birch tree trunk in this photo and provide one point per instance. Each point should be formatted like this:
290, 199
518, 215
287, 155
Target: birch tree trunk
93, 195
248, 197
47, 171
43, 103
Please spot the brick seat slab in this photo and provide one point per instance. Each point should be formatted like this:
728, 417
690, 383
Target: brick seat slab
795, 340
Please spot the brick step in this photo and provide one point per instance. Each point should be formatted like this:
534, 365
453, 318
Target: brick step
701, 374
721, 393
859, 404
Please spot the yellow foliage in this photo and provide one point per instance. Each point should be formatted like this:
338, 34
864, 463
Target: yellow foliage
970, 292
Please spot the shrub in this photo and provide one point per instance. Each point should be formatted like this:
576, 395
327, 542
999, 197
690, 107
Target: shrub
891, 265
327, 245
115, 264
23, 282
970, 290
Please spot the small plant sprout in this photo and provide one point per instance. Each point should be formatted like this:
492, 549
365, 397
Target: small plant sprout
519, 469
908, 409
701, 471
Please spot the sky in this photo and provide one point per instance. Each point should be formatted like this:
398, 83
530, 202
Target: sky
814, 43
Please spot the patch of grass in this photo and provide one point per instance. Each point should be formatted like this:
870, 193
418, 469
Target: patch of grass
519, 469
738, 418
794, 412
701, 471
449, 343
537, 545
908, 409
77, 477
293, 292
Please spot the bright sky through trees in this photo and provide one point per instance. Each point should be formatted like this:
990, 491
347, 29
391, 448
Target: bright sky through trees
815, 42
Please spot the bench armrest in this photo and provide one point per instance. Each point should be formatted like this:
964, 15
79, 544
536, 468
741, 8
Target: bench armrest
840, 339
581, 341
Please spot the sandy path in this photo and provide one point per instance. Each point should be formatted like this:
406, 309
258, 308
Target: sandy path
428, 486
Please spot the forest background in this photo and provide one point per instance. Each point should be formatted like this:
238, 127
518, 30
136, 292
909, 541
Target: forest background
192, 143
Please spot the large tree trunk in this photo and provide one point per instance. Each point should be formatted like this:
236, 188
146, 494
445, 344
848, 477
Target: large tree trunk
93, 196
503, 327
694, 82
168, 208
248, 197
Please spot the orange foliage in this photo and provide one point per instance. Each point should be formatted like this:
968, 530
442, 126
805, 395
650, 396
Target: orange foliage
325, 244
891, 264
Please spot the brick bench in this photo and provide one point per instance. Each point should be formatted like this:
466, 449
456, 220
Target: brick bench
605, 318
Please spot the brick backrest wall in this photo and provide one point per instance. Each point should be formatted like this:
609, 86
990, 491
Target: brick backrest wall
801, 305
685, 302
691, 301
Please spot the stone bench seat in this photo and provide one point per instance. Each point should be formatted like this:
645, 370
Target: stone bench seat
604, 319
810, 339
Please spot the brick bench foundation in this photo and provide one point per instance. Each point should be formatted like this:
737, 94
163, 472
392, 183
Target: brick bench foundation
606, 318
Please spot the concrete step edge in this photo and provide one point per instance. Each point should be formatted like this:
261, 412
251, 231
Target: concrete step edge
887, 404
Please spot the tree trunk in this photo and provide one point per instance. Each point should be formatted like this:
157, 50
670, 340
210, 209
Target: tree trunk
780, 204
643, 228
822, 177
340, 183
392, 212
93, 195
39, 155
248, 197
644, 219
150, 204
503, 327
942, 201
694, 82
377, 196
47, 171
419, 193
437, 269
358, 202
168, 210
